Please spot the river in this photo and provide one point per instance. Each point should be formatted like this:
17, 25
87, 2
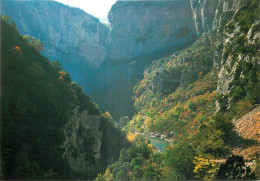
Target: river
158, 143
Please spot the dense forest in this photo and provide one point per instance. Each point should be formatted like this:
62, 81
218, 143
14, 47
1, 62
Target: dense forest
39, 99
201, 99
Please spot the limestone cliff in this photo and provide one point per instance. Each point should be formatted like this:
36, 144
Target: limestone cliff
234, 32
70, 35
208, 14
141, 27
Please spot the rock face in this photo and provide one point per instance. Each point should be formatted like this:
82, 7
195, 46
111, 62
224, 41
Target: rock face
228, 64
70, 35
140, 27
232, 51
82, 142
209, 15
248, 128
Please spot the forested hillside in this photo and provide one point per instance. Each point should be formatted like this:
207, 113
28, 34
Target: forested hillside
49, 127
193, 99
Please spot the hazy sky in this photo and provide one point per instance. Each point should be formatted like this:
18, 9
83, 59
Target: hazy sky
98, 8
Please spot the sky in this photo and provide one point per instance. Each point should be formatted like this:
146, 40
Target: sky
97, 8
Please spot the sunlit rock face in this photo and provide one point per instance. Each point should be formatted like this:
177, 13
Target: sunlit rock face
209, 14
70, 35
215, 16
145, 27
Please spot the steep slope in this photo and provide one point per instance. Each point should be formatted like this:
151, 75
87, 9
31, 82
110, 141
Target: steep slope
49, 128
73, 37
178, 93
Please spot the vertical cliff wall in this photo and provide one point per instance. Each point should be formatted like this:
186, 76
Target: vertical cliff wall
208, 14
75, 38
145, 27
235, 36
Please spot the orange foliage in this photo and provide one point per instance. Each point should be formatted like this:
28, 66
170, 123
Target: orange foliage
200, 113
193, 123
61, 75
17, 48
141, 98
143, 83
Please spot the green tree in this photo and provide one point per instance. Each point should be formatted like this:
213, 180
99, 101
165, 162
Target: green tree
121, 175
138, 172
33, 42
234, 169
179, 158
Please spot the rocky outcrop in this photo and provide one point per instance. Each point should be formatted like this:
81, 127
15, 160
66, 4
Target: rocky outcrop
231, 39
82, 142
203, 14
248, 128
231, 62
140, 27
209, 15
